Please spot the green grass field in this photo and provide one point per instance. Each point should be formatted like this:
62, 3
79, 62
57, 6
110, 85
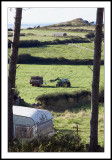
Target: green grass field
39, 32
46, 35
67, 122
68, 51
79, 76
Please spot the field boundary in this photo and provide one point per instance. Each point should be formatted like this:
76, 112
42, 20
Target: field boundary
28, 59
36, 43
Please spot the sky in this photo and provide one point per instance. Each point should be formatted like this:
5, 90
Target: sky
53, 15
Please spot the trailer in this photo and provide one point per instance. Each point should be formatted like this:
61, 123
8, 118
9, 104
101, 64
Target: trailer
36, 81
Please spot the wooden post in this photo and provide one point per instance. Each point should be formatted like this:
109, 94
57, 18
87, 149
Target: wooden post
77, 130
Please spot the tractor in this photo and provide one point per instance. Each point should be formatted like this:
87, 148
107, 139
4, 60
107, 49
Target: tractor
64, 82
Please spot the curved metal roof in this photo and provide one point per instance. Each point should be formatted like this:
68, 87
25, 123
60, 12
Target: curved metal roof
38, 115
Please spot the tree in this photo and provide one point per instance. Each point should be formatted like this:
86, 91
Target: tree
95, 83
12, 70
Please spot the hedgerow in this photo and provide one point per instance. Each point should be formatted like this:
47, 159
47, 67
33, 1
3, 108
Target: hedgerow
59, 142
36, 43
63, 101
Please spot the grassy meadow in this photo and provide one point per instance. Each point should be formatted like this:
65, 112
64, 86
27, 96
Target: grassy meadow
68, 120
68, 51
45, 35
79, 76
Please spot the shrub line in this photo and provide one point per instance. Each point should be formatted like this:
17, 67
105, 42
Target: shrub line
36, 43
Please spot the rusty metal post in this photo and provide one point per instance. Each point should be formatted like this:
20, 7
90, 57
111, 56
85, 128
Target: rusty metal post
77, 130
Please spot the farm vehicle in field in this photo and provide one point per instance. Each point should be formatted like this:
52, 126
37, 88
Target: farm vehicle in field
36, 81
64, 82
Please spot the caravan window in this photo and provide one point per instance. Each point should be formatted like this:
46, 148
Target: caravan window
23, 132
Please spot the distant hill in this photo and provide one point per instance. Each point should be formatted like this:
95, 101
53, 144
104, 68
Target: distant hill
74, 22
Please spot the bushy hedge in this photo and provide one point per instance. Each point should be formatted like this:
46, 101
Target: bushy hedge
36, 43
59, 142
71, 40
63, 101
66, 29
90, 35
79, 30
27, 43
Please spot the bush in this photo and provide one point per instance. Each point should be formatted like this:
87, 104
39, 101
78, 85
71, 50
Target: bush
59, 142
56, 41
90, 35
101, 95
18, 100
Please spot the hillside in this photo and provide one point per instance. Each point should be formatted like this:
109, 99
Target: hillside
74, 22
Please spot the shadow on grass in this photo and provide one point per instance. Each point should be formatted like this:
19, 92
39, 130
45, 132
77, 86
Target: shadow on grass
60, 87
81, 106
77, 108
28, 59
